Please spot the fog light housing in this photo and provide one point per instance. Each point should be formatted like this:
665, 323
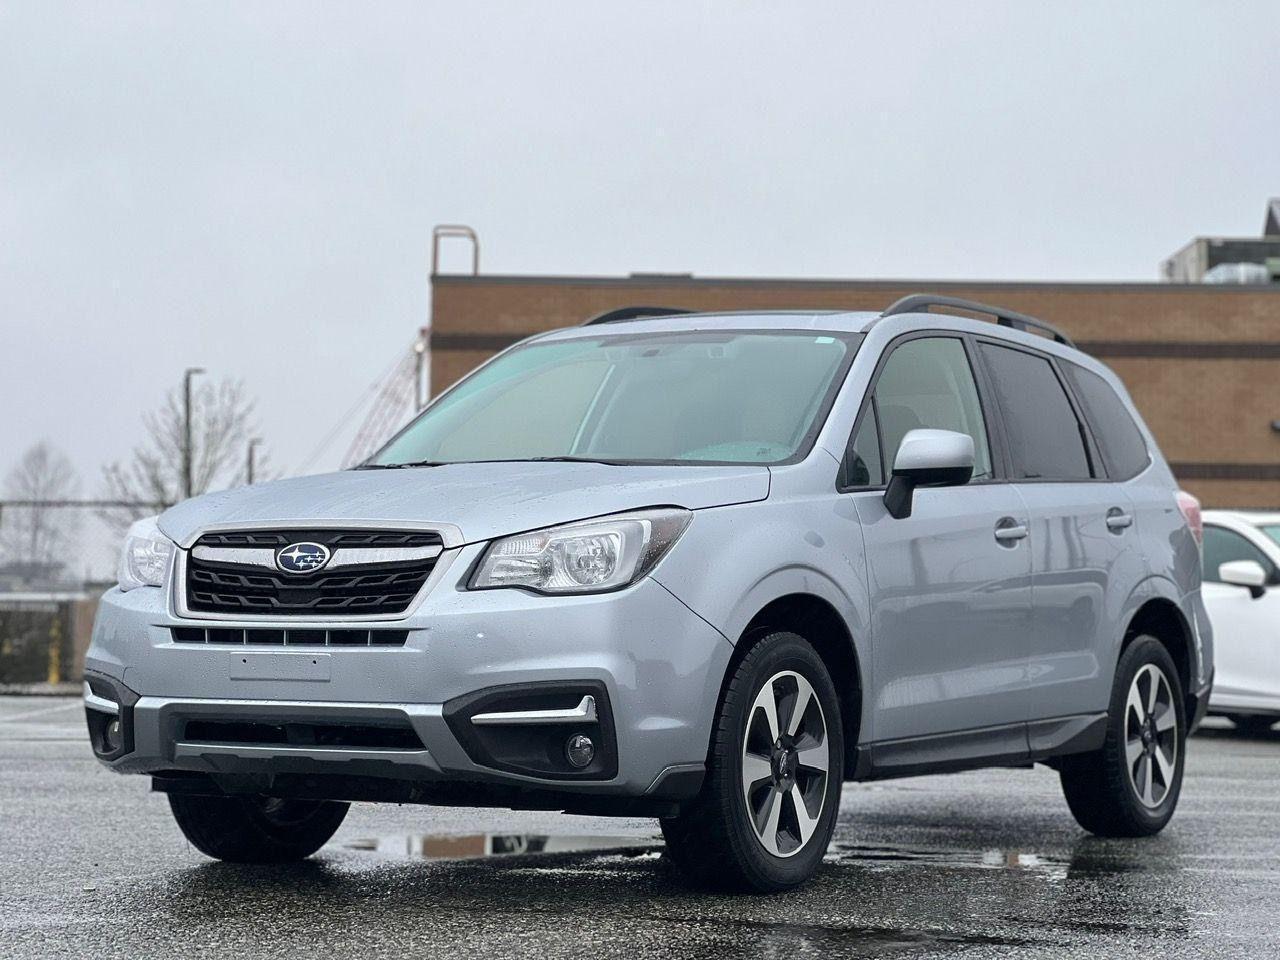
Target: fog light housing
109, 714
111, 739
579, 751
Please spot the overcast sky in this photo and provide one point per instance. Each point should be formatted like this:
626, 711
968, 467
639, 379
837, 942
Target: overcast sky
251, 187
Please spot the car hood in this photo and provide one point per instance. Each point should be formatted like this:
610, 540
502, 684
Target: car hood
482, 500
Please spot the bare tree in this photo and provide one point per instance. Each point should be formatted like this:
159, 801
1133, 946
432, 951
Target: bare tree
40, 536
222, 421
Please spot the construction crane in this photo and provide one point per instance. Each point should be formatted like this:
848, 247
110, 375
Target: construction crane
397, 398
404, 389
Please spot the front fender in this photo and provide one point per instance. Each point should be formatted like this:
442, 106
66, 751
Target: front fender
734, 561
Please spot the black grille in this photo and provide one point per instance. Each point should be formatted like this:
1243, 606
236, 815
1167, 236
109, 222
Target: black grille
291, 638
357, 590
386, 736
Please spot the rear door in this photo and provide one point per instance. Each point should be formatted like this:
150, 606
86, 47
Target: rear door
950, 601
1086, 556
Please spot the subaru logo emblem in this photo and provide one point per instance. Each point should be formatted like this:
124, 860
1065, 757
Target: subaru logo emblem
302, 557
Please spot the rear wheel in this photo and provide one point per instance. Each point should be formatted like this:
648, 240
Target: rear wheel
768, 808
1252, 723
1130, 787
256, 829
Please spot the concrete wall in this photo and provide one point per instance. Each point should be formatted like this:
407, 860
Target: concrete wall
1202, 361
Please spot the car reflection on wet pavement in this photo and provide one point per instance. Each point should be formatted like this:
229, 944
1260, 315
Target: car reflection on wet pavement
979, 864
471, 846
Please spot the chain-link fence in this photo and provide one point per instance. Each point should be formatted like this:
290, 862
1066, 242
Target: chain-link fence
56, 559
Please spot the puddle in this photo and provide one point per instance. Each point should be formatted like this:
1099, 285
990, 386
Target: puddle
992, 859
416, 846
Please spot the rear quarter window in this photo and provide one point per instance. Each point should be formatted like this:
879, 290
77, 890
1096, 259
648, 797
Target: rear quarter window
1123, 448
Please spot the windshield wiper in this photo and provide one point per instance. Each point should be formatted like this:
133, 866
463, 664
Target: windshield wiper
449, 463
399, 466
566, 459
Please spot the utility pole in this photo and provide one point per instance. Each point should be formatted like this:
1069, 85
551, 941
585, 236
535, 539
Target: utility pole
248, 466
186, 429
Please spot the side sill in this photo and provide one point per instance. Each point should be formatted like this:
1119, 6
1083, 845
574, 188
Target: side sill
1008, 745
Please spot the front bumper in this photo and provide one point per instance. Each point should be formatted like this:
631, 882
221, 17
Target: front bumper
656, 667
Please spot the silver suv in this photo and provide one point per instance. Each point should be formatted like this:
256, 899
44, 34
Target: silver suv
702, 567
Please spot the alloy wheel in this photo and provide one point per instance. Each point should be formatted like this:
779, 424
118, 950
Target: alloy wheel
785, 759
1150, 736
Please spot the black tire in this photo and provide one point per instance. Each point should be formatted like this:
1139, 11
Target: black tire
256, 829
713, 841
1101, 786
1253, 724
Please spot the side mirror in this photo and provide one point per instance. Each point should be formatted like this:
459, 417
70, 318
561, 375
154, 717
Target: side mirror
1245, 573
928, 458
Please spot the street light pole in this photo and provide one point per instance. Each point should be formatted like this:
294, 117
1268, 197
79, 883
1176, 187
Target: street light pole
186, 428
248, 467
421, 370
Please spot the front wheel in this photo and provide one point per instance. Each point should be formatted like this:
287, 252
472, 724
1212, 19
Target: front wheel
1130, 787
768, 808
256, 829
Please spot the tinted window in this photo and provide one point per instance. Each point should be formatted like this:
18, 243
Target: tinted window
1045, 439
864, 466
1223, 546
928, 383
1124, 451
699, 396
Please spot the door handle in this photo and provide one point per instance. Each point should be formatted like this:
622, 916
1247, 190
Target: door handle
1118, 520
1009, 530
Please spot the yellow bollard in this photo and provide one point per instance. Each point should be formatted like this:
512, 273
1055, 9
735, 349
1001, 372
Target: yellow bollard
55, 649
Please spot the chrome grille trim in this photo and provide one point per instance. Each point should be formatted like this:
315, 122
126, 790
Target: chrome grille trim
351, 556
342, 557
249, 556
450, 533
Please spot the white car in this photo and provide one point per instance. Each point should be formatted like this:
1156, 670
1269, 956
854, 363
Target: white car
1242, 595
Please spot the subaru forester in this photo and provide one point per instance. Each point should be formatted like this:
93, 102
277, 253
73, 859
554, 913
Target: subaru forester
701, 567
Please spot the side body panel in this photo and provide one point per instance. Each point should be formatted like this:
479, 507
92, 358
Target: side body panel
951, 610
1247, 676
1084, 573
1172, 555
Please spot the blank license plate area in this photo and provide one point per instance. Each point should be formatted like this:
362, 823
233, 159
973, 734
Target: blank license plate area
279, 666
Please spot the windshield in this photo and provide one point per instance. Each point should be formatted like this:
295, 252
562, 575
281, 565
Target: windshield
1272, 530
736, 397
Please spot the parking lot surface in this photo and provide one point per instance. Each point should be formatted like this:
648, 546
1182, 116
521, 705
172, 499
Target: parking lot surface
985, 864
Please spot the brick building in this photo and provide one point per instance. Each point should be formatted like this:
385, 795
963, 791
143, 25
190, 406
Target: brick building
1201, 360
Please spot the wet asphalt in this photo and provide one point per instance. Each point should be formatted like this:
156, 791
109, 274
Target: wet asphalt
986, 864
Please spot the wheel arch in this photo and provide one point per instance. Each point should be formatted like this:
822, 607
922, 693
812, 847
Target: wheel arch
817, 620
1163, 619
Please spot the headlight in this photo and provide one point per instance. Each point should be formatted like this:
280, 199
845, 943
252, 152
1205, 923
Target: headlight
146, 556
588, 557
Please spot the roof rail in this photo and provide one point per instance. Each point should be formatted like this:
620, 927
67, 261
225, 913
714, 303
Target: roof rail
921, 302
634, 313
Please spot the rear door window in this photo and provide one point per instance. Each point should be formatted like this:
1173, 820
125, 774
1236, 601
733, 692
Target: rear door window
1046, 439
1123, 449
